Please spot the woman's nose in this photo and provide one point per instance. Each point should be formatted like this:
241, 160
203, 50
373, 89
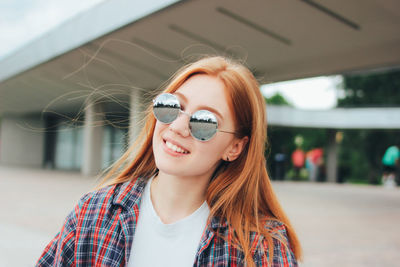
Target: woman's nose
181, 124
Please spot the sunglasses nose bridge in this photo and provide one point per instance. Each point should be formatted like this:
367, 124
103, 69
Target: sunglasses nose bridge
185, 113
181, 124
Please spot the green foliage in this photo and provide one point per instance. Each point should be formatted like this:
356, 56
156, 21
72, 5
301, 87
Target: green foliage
282, 140
291, 175
313, 138
277, 99
361, 153
362, 150
378, 89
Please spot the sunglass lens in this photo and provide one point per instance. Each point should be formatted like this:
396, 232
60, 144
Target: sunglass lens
166, 108
203, 125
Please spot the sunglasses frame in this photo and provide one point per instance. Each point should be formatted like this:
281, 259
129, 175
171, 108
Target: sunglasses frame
190, 116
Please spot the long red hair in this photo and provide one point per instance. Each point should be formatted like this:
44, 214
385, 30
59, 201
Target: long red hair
239, 191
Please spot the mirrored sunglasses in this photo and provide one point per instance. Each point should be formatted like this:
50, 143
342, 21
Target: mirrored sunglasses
203, 124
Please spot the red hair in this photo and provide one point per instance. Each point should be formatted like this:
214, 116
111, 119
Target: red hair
240, 191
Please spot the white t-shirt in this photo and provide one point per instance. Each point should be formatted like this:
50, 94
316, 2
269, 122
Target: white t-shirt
158, 244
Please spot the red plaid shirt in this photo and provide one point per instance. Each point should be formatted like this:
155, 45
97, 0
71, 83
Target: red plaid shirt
100, 230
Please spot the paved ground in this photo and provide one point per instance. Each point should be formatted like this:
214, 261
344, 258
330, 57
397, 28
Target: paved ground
339, 225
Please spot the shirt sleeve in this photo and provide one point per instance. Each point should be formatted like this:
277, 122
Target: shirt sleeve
60, 250
283, 254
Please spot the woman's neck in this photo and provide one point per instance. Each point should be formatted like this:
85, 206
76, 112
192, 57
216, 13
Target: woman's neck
175, 198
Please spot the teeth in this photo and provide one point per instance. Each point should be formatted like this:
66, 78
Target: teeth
175, 148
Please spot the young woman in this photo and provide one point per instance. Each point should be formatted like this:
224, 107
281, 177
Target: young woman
196, 193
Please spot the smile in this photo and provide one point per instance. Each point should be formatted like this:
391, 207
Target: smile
175, 148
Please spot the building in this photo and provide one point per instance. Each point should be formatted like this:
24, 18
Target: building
98, 71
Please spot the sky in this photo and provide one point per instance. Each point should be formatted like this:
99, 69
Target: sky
21, 21
317, 93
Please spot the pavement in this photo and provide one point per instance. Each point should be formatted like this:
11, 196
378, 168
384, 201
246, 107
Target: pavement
338, 224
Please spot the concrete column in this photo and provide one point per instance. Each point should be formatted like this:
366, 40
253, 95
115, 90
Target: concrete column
331, 164
92, 138
22, 141
136, 115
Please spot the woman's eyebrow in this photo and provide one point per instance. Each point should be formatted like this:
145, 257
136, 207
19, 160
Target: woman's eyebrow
183, 97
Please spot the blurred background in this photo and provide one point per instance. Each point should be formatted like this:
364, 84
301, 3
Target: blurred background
76, 77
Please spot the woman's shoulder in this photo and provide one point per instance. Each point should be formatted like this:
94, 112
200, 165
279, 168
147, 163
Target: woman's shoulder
99, 195
282, 250
276, 229
273, 230
116, 194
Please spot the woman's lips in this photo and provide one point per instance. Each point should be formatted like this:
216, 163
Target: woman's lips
169, 148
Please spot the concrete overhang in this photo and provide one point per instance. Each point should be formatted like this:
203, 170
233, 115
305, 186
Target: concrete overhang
122, 45
339, 118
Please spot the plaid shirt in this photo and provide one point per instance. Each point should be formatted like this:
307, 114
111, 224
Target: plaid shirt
100, 230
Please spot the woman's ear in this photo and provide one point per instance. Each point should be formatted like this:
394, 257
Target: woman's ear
235, 148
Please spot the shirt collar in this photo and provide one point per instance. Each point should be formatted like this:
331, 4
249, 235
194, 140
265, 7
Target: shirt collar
217, 223
129, 193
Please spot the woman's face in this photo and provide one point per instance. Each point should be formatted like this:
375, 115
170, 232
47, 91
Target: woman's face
194, 158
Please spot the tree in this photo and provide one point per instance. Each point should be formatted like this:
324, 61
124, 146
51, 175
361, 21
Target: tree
282, 139
377, 89
277, 99
361, 151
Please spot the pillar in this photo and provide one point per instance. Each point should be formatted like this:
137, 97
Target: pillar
331, 165
22, 141
136, 115
92, 138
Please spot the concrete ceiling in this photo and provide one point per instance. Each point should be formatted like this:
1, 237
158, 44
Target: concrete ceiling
279, 40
